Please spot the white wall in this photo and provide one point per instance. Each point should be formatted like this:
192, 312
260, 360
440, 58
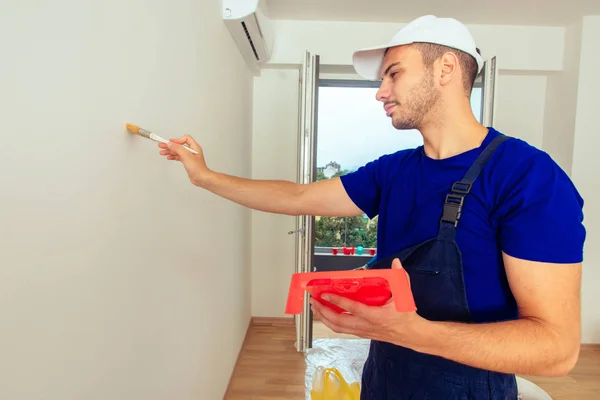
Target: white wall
118, 279
561, 101
531, 77
274, 149
520, 106
585, 167
518, 48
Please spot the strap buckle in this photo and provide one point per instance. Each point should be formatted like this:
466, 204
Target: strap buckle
462, 187
453, 208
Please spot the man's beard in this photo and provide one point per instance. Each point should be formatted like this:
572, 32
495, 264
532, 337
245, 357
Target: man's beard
420, 100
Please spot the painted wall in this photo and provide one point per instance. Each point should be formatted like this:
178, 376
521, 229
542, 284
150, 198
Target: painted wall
520, 108
118, 278
274, 156
561, 101
585, 167
518, 48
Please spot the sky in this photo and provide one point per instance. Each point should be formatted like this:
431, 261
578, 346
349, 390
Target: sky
353, 128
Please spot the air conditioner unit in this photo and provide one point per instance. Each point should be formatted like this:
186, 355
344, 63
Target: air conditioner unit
251, 29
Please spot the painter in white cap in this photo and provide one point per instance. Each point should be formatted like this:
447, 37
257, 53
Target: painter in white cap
487, 228
444, 46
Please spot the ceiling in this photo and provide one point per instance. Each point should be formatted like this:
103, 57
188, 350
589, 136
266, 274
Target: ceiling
498, 12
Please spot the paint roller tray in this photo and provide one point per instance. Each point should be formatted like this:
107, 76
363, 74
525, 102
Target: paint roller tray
371, 287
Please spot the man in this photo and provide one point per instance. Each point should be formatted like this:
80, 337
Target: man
488, 228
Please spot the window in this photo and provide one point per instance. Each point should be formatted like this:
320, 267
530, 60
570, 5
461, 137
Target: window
352, 131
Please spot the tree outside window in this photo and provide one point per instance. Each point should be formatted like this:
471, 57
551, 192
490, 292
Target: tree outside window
343, 231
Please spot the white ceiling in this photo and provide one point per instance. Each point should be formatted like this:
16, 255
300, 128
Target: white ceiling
497, 12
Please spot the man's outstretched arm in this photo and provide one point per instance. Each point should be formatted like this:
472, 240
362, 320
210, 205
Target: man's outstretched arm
323, 198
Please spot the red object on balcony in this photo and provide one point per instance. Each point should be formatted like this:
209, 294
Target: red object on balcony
371, 287
372, 252
334, 251
348, 250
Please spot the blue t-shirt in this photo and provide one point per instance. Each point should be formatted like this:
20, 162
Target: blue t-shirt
522, 204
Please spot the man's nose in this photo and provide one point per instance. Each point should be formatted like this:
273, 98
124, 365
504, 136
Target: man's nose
383, 93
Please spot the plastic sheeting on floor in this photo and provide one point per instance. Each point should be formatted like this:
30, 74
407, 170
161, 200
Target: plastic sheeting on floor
348, 356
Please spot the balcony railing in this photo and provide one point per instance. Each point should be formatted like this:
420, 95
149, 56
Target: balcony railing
341, 258
346, 251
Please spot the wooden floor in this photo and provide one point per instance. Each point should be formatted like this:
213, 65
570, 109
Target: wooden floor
269, 368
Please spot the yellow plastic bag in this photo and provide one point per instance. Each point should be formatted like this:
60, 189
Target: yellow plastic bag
329, 384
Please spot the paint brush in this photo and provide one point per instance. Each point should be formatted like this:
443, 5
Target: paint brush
152, 136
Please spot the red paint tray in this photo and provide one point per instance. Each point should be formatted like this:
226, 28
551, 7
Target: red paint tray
371, 287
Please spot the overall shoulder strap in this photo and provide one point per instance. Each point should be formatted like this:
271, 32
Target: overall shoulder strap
456, 197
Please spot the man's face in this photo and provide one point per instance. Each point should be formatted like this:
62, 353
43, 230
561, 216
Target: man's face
407, 89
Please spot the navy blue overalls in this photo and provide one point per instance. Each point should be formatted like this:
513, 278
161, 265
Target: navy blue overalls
435, 268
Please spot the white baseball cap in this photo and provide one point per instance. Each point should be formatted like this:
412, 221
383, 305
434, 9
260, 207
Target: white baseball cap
427, 29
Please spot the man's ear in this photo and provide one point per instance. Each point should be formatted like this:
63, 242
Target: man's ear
448, 68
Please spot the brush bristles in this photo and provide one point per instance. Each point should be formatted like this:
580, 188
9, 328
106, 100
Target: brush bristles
133, 128
138, 131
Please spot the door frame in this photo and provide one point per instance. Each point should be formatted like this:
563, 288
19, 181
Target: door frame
489, 75
307, 173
